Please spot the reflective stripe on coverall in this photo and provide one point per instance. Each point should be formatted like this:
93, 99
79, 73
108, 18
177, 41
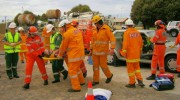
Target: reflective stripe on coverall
132, 45
35, 48
100, 49
73, 44
23, 46
159, 51
177, 42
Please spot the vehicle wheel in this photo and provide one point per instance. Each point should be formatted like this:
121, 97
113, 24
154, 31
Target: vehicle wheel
112, 60
174, 33
170, 63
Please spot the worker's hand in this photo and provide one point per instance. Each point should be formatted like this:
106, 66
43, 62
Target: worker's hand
12, 44
86, 51
59, 57
90, 53
56, 52
111, 52
40, 56
64, 55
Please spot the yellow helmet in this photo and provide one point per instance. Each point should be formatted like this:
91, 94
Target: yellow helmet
96, 19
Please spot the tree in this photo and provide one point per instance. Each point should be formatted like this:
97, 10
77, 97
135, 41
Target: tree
80, 8
148, 11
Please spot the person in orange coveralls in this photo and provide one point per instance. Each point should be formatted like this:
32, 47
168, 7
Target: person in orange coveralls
159, 41
131, 50
35, 53
82, 66
72, 44
46, 38
177, 42
101, 38
23, 46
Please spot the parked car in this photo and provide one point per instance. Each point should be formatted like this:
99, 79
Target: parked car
170, 55
123, 26
172, 28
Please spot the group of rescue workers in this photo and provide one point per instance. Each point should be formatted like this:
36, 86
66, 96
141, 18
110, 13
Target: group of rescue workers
67, 42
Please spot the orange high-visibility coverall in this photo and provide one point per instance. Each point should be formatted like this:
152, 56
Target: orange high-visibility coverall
73, 45
177, 42
159, 41
46, 41
35, 48
23, 46
100, 49
131, 50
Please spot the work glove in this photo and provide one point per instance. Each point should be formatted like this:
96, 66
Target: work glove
40, 56
111, 52
86, 51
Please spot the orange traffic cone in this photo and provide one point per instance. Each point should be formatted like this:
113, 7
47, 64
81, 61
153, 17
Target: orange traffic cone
90, 95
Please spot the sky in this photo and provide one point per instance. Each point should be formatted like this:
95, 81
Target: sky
116, 8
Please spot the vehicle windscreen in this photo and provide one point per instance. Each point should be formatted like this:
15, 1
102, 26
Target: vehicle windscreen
173, 23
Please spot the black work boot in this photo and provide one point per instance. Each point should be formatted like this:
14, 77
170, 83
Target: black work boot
85, 74
16, 76
72, 90
55, 81
140, 83
95, 83
152, 77
45, 82
65, 74
178, 75
130, 86
26, 86
109, 79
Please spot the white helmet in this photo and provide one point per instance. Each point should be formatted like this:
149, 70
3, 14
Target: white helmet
12, 25
129, 22
49, 27
64, 22
20, 29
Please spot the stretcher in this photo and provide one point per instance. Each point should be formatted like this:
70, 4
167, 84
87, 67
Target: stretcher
46, 58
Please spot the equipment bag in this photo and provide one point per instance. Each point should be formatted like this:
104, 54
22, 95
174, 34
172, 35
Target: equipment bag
162, 83
170, 76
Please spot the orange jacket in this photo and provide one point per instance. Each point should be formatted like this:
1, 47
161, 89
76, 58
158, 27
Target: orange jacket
46, 37
101, 39
72, 44
35, 46
132, 45
177, 42
87, 38
23, 43
160, 36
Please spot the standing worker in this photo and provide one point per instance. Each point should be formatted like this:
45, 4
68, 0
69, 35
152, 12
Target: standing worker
35, 53
159, 41
131, 50
101, 38
46, 38
55, 42
82, 66
177, 42
23, 46
72, 44
12, 42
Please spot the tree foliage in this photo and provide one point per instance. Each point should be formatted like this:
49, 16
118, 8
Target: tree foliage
80, 8
148, 11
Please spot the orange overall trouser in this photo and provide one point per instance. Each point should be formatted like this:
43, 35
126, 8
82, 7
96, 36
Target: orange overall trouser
22, 55
29, 67
133, 70
82, 65
75, 74
100, 60
158, 59
178, 60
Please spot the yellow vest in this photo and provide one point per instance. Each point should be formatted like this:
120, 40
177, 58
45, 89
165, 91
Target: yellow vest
11, 39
